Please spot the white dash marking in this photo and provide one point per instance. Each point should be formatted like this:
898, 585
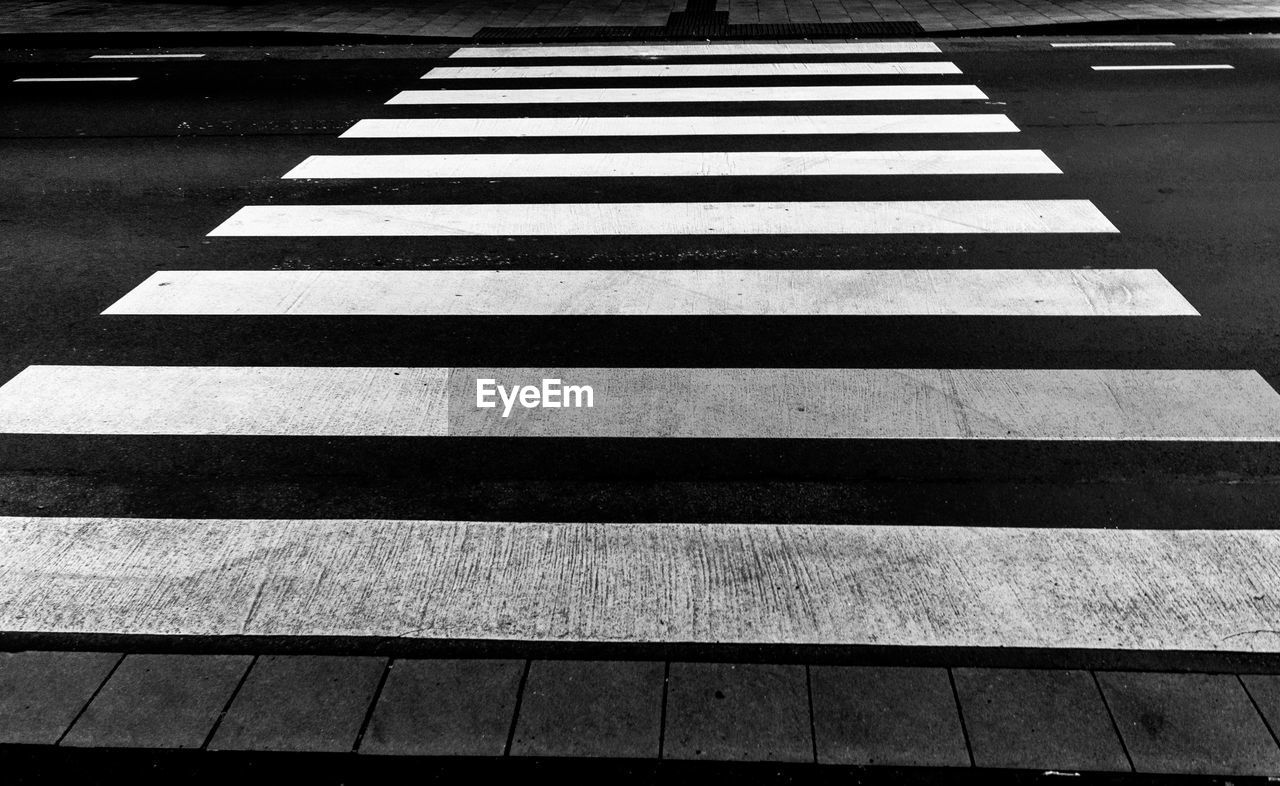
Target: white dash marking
1105, 44
171, 55
741, 125
615, 95
694, 70
704, 50
668, 218
1085, 292
77, 79
1190, 67
743, 164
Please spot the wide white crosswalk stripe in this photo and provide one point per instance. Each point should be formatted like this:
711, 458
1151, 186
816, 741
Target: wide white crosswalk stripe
726, 164
976, 216
657, 292
896, 404
617, 95
913, 68
1182, 590
727, 125
704, 49
290, 401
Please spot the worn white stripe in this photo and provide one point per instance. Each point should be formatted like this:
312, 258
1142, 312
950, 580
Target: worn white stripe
914, 68
617, 95
935, 404
668, 218
716, 49
830, 583
741, 163
1089, 292
77, 79
1101, 44
146, 57
740, 125
1163, 68
225, 400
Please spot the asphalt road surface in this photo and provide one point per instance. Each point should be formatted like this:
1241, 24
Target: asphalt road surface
1062, 317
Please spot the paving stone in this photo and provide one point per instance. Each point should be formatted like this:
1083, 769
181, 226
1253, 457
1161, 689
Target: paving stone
742, 712
445, 708
1038, 719
42, 692
591, 708
1190, 723
301, 703
160, 701
1265, 690
886, 716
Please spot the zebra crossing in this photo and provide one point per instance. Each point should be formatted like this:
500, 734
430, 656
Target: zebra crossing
597, 582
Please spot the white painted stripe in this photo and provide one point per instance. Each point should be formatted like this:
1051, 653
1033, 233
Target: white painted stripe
1163, 68
742, 163
77, 79
831, 583
693, 70
699, 49
1090, 44
1089, 292
668, 218
191, 400
741, 125
145, 57
729, 403
617, 95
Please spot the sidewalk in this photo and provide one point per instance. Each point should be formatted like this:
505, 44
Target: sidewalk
854, 716
468, 18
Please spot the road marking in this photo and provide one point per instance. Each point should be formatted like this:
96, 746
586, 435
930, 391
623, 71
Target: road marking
617, 95
723, 403
693, 70
741, 164
77, 79
712, 50
831, 583
145, 57
1090, 292
740, 125
1086, 44
224, 400
1163, 68
975, 216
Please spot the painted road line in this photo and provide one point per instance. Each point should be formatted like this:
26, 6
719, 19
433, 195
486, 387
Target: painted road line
704, 50
694, 70
1093, 292
227, 400
620, 95
728, 164
723, 403
77, 79
147, 57
977, 216
1163, 68
1102, 44
831, 583
740, 125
